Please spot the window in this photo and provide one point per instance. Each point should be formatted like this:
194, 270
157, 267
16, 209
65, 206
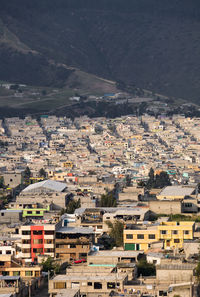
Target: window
162, 293
49, 250
37, 241
8, 252
28, 273
110, 285
37, 273
15, 273
49, 232
39, 251
176, 240
72, 246
186, 232
37, 212
129, 236
174, 232
49, 241
59, 285
26, 241
2, 214
37, 232
140, 236
163, 232
29, 212
188, 204
152, 236
26, 251
26, 232
97, 285
89, 283
4, 273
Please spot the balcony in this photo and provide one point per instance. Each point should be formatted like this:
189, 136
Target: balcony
49, 236
72, 250
49, 245
26, 237
80, 240
26, 246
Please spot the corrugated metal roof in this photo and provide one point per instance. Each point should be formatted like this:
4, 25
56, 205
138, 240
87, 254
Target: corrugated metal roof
177, 191
76, 230
48, 184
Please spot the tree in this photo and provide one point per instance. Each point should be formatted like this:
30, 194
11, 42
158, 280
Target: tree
27, 173
72, 205
116, 232
162, 180
150, 182
108, 200
145, 268
42, 173
50, 265
159, 181
106, 241
26, 176
128, 180
141, 184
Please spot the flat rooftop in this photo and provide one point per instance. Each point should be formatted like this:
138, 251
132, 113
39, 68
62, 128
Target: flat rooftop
77, 277
111, 253
66, 292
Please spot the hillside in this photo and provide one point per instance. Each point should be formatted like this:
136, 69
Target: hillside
152, 44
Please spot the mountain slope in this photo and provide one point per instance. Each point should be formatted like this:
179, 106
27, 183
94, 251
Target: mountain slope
18, 63
150, 43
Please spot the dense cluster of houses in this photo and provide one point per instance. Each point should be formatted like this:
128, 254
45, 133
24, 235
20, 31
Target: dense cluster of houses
81, 160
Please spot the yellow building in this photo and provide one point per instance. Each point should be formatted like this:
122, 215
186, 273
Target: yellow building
140, 239
172, 234
14, 267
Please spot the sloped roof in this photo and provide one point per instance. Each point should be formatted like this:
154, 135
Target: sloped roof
46, 184
177, 191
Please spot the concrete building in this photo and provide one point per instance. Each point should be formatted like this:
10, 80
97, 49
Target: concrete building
172, 234
37, 240
89, 285
176, 192
9, 216
73, 243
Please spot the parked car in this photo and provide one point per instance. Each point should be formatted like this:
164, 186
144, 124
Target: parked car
79, 261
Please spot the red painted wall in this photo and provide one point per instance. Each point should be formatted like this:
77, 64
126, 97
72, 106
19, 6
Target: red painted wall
36, 245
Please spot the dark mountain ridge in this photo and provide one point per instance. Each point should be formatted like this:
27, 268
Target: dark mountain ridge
152, 44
